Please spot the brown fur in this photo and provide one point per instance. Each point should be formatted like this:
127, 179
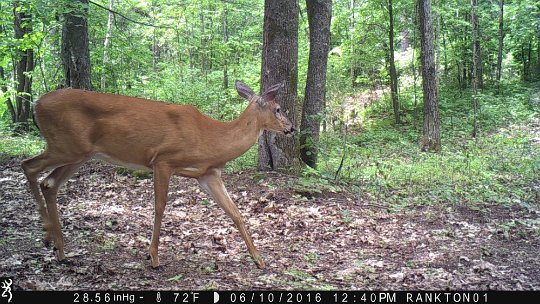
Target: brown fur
166, 138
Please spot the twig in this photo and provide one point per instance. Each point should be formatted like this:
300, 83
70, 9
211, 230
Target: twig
343, 157
129, 19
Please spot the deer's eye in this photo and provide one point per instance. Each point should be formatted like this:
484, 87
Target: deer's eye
278, 110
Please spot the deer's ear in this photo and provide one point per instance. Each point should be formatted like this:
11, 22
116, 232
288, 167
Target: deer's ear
243, 90
271, 93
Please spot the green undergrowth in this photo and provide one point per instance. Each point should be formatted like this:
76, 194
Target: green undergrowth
502, 165
25, 145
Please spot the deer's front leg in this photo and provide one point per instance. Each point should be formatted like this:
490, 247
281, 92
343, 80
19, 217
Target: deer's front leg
162, 176
213, 184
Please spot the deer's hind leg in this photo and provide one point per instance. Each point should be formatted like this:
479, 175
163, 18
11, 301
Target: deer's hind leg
49, 188
32, 168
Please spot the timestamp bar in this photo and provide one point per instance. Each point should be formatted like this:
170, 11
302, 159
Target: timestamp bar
268, 297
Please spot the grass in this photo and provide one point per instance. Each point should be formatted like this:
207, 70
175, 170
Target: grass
501, 166
23, 145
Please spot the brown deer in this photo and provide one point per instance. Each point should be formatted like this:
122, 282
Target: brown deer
166, 138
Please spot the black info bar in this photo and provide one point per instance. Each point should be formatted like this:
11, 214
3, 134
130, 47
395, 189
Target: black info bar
268, 297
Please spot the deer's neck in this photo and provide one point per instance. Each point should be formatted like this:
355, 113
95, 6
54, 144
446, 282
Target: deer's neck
240, 134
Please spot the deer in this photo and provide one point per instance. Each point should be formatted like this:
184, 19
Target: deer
168, 139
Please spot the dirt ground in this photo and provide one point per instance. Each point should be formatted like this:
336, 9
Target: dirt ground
327, 241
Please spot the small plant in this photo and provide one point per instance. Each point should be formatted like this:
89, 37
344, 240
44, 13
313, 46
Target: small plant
209, 269
311, 257
298, 274
109, 244
410, 263
176, 278
346, 216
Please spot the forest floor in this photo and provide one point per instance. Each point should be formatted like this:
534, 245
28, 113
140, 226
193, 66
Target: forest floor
326, 240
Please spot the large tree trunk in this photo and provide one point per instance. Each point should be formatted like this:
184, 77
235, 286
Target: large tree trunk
24, 67
75, 52
319, 17
393, 73
431, 137
500, 49
280, 65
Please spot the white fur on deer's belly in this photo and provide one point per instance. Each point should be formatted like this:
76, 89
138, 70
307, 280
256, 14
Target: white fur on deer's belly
188, 171
114, 161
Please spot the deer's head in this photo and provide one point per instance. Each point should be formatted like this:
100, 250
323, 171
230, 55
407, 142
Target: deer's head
271, 115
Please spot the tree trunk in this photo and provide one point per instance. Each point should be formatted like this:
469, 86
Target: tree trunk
500, 49
204, 45
280, 65
538, 55
319, 15
403, 34
75, 52
529, 59
351, 32
431, 137
106, 44
23, 67
226, 52
4, 89
445, 53
413, 60
476, 72
393, 73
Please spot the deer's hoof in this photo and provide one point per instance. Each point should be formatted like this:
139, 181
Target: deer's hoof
59, 253
259, 261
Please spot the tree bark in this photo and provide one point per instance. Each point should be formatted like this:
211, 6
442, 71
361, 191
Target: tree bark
529, 59
393, 73
319, 16
225, 41
280, 65
500, 48
4, 89
476, 48
75, 52
23, 67
431, 136
476, 72
351, 33
404, 34
413, 60
445, 53
538, 55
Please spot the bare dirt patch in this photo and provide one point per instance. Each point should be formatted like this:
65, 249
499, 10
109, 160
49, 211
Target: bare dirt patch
329, 241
